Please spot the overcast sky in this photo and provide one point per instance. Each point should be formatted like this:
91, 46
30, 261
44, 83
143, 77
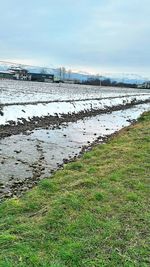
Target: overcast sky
92, 35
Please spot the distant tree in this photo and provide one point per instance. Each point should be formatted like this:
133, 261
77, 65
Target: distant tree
106, 82
63, 73
69, 74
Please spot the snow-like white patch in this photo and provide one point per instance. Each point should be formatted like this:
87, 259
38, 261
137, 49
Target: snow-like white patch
24, 91
17, 112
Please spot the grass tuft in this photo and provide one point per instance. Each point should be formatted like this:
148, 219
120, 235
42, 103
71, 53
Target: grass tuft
75, 166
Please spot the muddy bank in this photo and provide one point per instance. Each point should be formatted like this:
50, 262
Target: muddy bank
18, 187
26, 126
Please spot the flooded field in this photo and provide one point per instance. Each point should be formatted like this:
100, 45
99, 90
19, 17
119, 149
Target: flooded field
32, 147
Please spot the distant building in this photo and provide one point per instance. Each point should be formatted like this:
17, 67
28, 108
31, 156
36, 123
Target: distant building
40, 77
6, 75
69, 81
20, 74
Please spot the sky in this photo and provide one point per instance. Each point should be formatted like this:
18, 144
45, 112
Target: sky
96, 36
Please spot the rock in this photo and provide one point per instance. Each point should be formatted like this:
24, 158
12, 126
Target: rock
1, 113
7, 195
17, 151
65, 160
24, 188
2, 186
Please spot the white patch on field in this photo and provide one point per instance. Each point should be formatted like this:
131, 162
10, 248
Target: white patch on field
24, 91
17, 112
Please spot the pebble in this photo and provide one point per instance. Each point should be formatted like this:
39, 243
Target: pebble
17, 151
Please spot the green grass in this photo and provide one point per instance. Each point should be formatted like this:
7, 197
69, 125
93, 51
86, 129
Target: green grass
92, 213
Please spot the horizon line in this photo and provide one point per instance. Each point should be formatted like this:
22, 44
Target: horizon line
73, 70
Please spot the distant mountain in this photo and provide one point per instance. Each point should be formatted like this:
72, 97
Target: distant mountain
118, 77
127, 78
3, 68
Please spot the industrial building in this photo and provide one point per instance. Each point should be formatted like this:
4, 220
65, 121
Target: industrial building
39, 77
6, 75
17, 73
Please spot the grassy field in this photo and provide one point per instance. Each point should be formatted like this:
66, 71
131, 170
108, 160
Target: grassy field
92, 213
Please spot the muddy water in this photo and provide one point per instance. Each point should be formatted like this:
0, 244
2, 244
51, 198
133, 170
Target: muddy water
24, 159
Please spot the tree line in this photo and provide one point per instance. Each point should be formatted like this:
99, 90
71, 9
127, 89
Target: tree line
108, 82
